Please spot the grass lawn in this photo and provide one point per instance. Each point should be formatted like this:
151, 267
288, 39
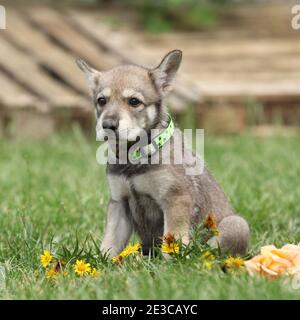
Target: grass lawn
53, 193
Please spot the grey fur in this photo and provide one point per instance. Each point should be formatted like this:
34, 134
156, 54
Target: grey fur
153, 200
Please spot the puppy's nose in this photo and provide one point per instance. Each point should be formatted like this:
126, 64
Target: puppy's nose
110, 123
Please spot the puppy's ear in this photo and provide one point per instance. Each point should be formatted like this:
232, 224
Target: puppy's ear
92, 75
165, 72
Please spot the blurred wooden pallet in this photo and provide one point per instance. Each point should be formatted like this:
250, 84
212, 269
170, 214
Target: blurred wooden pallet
43, 89
227, 73
223, 74
39, 74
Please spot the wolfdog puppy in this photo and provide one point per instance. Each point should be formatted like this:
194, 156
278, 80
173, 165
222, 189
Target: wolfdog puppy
154, 199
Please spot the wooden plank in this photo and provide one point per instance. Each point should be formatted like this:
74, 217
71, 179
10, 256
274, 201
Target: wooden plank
26, 115
30, 124
44, 50
222, 118
27, 72
14, 96
225, 76
117, 43
56, 25
29, 117
198, 47
238, 88
284, 64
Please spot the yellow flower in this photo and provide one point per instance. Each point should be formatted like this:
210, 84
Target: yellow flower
130, 249
207, 265
208, 260
171, 247
81, 268
215, 232
169, 244
207, 256
234, 264
46, 258
95, 273
117, 260
51, 274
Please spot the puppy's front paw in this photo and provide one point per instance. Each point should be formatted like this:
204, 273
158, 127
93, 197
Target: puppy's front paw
108, 251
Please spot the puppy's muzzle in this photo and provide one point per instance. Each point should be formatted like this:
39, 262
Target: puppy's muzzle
110, 124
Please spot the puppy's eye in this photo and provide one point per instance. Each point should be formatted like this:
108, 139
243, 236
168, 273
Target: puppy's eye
101, 101
134, 102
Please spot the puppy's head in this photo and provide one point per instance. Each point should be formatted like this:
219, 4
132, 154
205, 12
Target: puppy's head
128, 99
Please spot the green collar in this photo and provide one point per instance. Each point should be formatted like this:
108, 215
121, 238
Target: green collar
156, 143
